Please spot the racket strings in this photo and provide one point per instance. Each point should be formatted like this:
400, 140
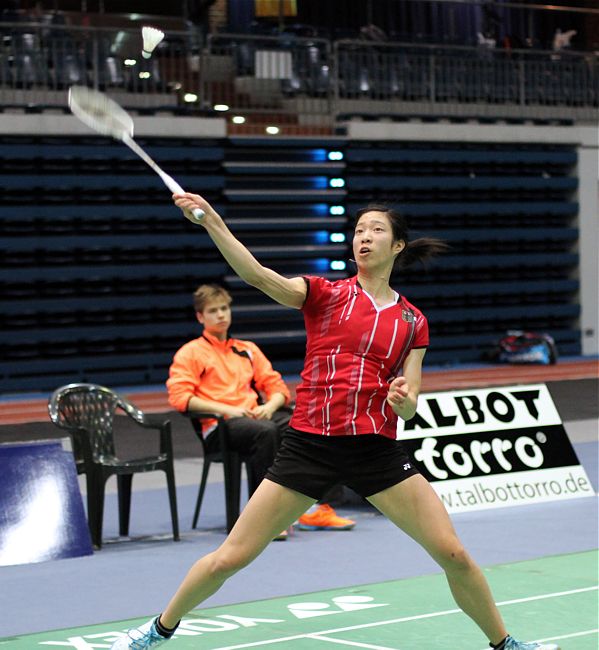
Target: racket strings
100, 112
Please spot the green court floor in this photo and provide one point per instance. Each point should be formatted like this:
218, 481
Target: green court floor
552, 598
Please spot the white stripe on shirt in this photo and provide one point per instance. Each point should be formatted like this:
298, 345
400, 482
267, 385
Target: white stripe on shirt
349, 291
326, 413
353, 423
392, 339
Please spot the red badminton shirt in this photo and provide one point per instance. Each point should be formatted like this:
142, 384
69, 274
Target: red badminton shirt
354, 349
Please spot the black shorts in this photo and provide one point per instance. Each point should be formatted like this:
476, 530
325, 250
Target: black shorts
312, 464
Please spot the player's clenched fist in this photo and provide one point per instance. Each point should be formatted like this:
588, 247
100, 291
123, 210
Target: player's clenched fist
398, 392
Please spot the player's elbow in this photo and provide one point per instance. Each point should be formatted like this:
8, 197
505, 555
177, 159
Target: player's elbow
179, 401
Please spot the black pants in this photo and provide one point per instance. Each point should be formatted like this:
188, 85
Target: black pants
257, 440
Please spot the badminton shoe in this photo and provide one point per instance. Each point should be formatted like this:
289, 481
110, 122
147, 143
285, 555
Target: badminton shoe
143, 637
512, 644
324, 517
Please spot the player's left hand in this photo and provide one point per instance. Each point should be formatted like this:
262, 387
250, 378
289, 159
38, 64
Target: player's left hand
398, 392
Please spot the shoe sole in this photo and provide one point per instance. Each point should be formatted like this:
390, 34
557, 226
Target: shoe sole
308, 527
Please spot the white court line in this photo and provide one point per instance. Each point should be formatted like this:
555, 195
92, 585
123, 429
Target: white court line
568, 636
320, 637
542, 596
340, 629
404, 619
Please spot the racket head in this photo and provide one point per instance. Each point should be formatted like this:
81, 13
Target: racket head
100, 113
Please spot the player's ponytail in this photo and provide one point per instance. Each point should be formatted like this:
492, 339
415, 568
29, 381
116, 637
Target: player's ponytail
419, 250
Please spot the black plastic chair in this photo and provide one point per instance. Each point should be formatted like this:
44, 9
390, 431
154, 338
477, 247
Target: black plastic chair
87, 411
231, 460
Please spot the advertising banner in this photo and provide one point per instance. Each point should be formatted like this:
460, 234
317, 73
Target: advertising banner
494, 447
41, 512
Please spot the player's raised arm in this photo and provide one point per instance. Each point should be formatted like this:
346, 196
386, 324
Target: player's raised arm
287, 291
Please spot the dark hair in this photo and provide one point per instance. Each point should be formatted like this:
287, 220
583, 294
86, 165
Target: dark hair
419, 250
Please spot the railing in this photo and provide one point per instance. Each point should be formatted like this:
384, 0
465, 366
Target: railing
38, 62
287, 76
439, 76
312, 80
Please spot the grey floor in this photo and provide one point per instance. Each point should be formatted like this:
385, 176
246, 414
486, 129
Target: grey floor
135, 578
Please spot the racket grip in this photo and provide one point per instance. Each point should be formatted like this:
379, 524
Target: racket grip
198, 214
175, 188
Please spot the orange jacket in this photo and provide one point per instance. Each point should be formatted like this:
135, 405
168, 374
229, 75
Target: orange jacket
223, 371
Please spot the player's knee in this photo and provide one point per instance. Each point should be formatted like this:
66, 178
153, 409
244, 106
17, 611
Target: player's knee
272, 427
269, 432
454, 557
226, 562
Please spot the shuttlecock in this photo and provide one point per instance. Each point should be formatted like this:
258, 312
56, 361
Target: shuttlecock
151, 37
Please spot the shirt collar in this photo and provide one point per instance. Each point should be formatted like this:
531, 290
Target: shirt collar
217, 342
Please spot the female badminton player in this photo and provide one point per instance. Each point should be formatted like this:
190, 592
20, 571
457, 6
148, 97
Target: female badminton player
364, 351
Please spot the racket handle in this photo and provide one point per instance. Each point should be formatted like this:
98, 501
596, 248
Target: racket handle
169, 181
175, 188
198, 214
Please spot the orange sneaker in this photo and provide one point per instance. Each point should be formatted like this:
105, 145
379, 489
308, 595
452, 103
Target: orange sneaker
324, 518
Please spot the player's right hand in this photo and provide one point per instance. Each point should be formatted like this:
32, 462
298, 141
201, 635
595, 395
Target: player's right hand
188, 201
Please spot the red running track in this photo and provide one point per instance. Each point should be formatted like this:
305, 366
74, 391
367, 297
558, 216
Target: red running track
20, 411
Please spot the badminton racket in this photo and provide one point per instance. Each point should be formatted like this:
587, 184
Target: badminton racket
105, 116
